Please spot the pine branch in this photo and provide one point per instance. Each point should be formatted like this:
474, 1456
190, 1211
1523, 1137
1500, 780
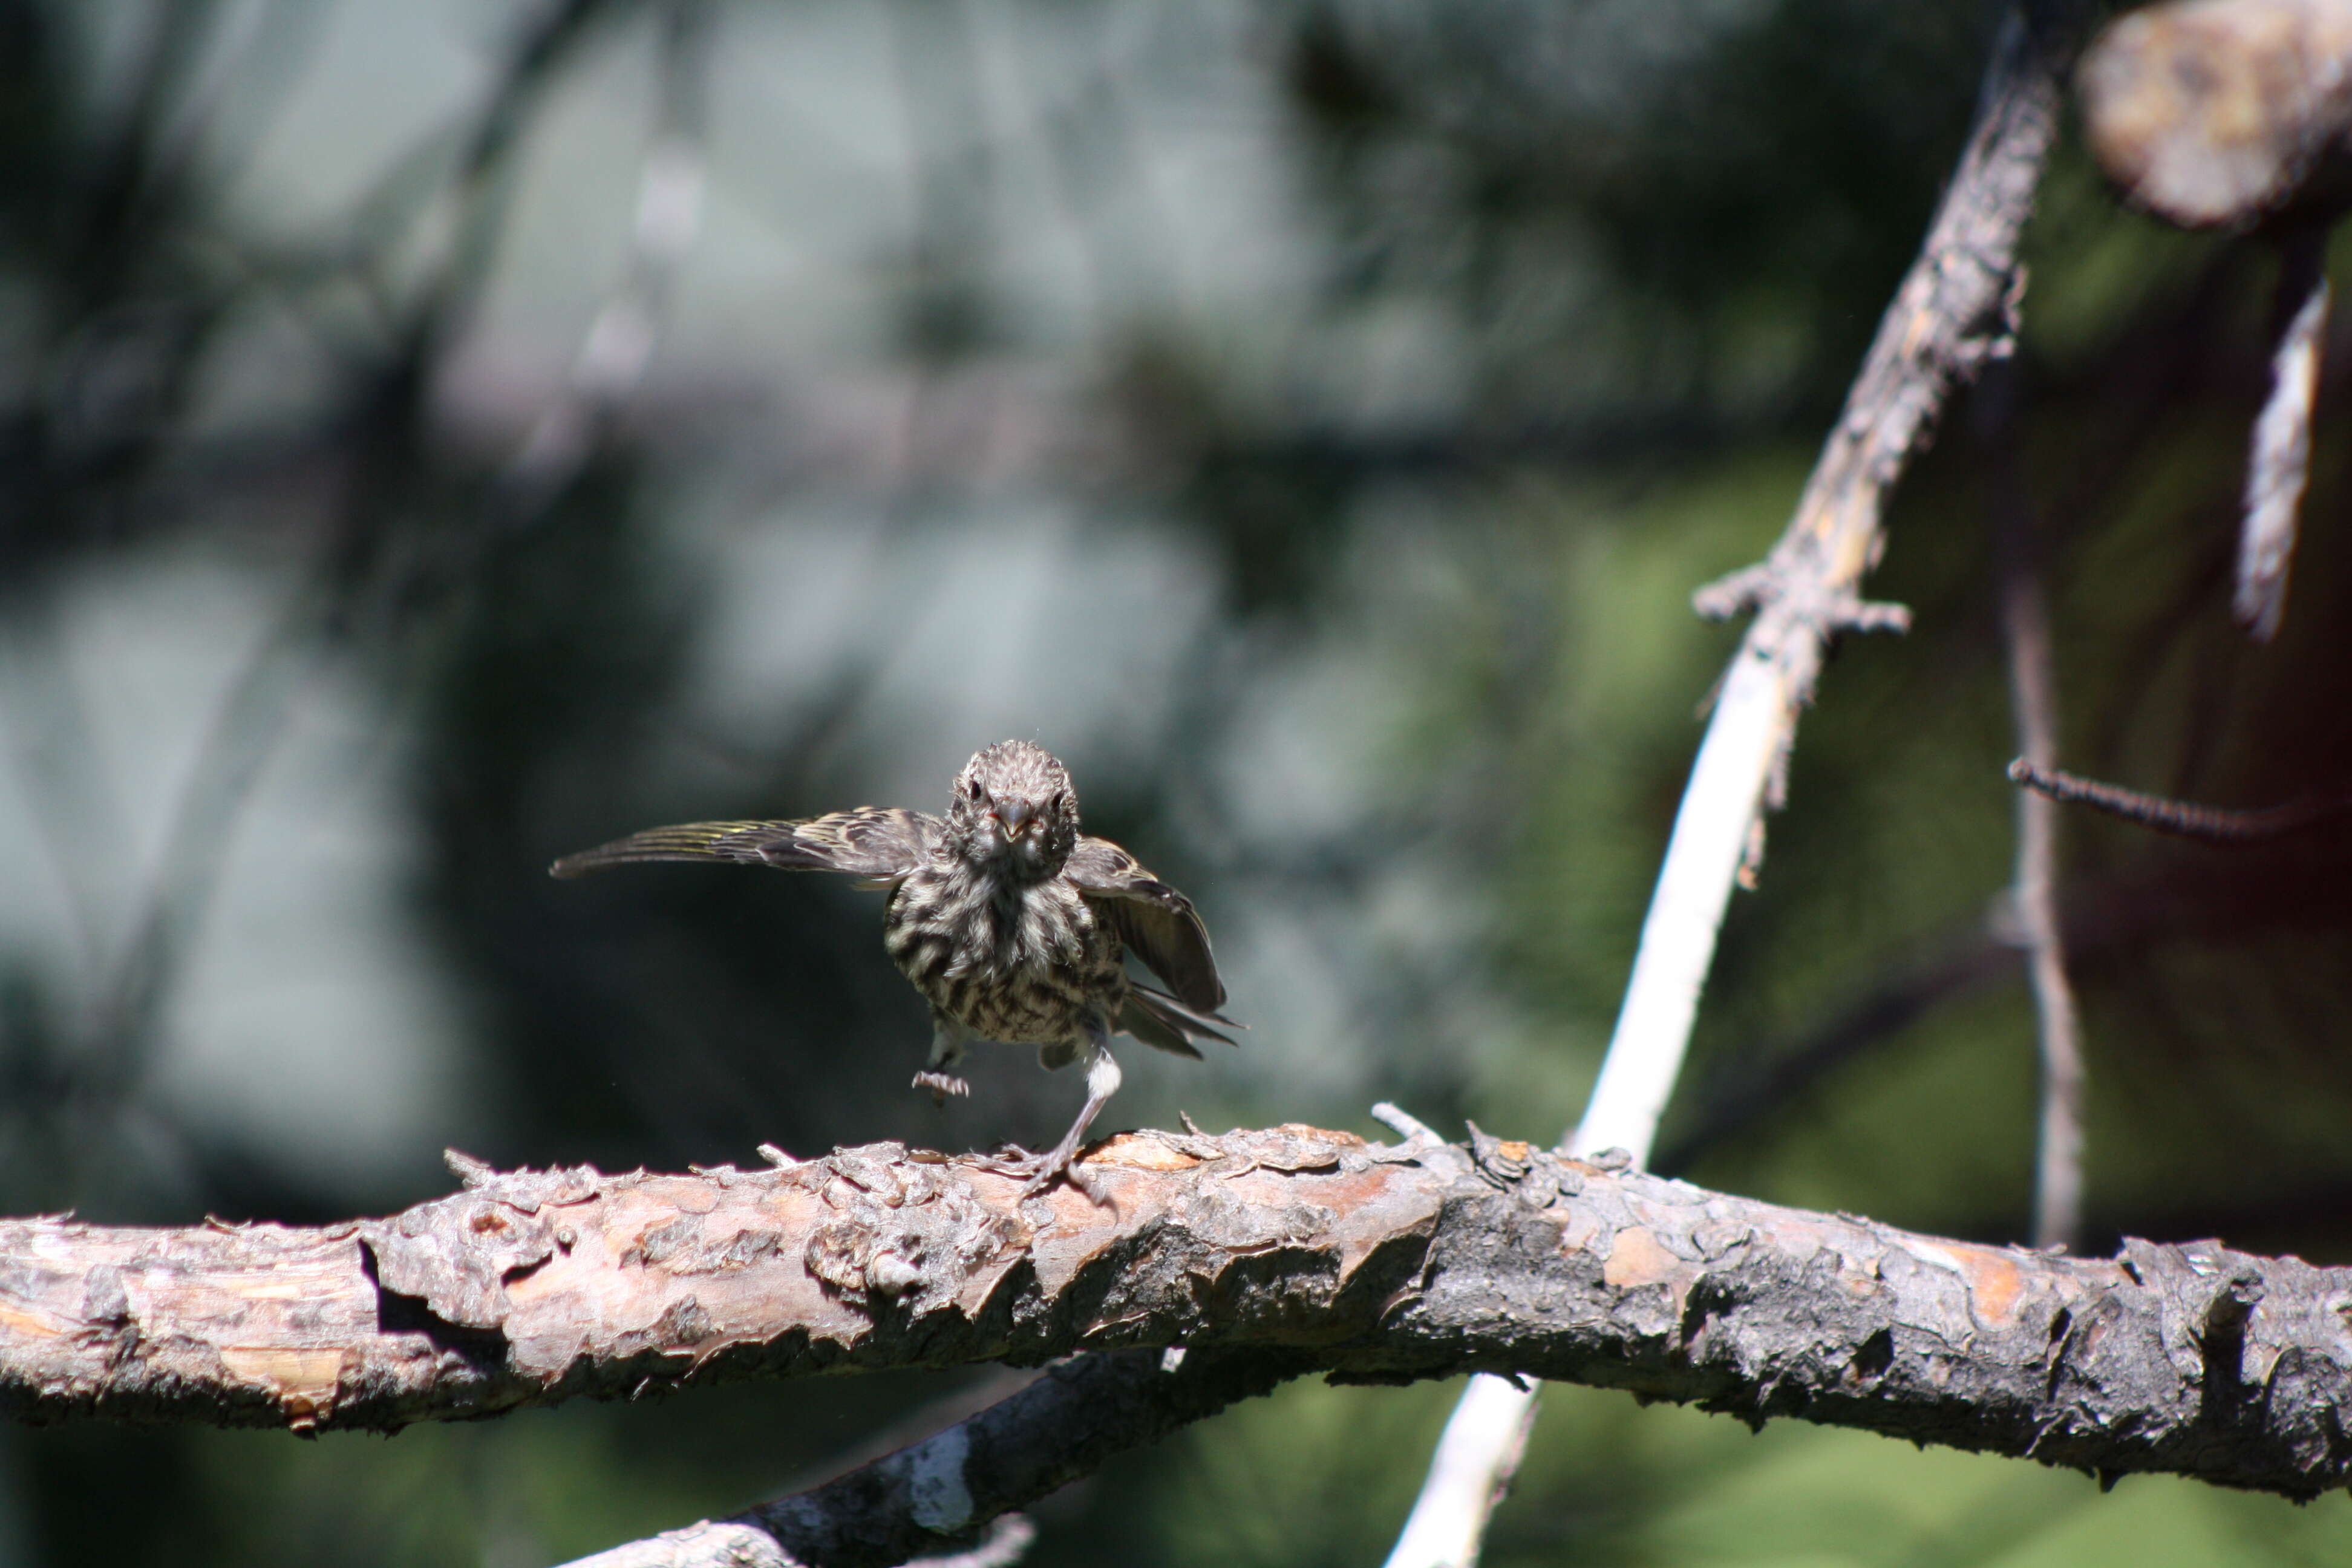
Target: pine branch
1365, 1262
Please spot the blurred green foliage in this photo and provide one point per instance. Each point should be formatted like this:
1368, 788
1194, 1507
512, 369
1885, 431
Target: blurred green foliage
1310, 419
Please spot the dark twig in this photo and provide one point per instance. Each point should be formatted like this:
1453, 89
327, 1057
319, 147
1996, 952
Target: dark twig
2185, 819
1063, 1425
237, 745
2279, 465
2033, 891
627, 327
1766, 1078
268, 690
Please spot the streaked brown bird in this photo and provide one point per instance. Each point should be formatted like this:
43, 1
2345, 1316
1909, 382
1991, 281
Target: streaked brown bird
1011, 923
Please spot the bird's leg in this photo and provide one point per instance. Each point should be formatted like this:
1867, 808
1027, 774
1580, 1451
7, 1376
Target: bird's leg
948, 1040
1102, 1083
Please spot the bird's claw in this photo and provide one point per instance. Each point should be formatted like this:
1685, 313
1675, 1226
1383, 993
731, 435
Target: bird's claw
941, 1085
1040, 1170
1013, 1160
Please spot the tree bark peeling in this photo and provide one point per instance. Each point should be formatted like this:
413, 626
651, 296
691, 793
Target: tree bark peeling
1369, 1263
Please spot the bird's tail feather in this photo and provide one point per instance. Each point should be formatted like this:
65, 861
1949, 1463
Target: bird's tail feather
1161, 1021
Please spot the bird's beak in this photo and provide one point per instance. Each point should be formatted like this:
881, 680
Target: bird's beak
1016, 818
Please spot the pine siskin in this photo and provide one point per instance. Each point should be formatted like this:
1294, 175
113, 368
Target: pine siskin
1011, 923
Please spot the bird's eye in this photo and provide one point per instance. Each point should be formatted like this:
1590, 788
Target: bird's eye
972, 788
1059, 804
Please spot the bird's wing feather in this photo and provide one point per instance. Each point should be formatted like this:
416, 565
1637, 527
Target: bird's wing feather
1155, 922
880, 842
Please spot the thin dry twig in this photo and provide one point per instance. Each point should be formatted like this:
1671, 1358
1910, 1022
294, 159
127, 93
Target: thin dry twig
2181, 819
1769, 1077
1955, 311
2033, 888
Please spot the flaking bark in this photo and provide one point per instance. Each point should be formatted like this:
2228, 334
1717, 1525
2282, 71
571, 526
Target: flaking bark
1371, 1263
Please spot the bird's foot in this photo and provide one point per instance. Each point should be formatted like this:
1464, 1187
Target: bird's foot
941, 1085
1040, 1170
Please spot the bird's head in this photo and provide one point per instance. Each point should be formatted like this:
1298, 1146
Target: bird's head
1014, 808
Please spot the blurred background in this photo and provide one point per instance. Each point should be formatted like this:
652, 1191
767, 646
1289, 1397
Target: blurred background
435, 437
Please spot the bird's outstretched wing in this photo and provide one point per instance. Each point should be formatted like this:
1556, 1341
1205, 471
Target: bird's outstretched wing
881, 844
1155, 922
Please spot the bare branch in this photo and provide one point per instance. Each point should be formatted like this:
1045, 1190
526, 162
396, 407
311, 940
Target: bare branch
2058, 1161
2033, 888
621, 340
1058, 1428
1046, 1435
1469, 1474
268, 689
1954, 309
1768, 1076
2181, 819
1371, 1263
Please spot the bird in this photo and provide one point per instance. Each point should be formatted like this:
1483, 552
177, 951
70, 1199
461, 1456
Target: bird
1011, 923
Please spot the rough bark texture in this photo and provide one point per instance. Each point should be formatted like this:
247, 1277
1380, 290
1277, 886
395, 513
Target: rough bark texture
1955, 311
1372, 1263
